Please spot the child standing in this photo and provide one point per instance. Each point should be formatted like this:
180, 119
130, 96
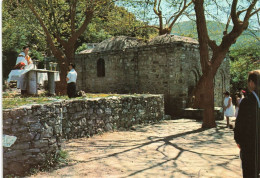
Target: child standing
228, 107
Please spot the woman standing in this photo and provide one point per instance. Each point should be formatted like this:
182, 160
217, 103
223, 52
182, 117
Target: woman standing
238, 101
228, 107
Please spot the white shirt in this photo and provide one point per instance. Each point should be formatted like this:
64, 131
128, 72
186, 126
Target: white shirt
72, 76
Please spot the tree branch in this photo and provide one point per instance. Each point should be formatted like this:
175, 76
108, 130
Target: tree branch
61, 41
54, 50
202, 34
28, 20
148, 26
180, 13
233, 13
88, 17
240, 12
72, 16
239, 26
255, 12
179, 9
54, 18
258, 19
212, 44
249, 10
227, 25
158, 13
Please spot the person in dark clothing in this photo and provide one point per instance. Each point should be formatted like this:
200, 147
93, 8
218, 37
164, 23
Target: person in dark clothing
71, 81
246, 131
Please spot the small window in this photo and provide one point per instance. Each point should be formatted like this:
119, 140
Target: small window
101, 68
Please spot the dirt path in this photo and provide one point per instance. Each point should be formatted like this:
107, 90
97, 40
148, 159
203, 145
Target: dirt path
176, 148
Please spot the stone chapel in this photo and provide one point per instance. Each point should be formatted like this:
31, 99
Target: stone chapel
168, 64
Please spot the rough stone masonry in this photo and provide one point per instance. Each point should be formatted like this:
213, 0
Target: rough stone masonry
40, 128
168, 64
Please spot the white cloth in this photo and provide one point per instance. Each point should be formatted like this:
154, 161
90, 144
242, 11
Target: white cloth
22, 80
44, 77
72, 76
16, 75
230, 111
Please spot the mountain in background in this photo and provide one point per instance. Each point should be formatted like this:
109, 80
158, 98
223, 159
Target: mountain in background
215, 30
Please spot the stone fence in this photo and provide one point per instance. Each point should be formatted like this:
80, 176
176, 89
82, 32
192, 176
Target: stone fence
38, 130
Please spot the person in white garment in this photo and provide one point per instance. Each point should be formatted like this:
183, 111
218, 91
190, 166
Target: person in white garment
26, 63
228, 107
71, 81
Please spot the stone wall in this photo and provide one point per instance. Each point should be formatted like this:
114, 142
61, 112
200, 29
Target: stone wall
198, 113
172, 69
39, 129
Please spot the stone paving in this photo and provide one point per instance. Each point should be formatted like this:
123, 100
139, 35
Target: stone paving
172, 148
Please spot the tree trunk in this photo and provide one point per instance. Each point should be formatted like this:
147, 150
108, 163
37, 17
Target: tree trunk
208, 102
61, 86
204, 98
165, 31
204, 91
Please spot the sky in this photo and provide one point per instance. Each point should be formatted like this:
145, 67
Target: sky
213, 12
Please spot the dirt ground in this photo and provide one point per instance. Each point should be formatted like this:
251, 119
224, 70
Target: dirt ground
174, 148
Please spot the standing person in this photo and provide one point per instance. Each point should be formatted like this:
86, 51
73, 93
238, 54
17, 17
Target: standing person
23, 62
71, 81
228, 107
246, 132
238, 101
242, 92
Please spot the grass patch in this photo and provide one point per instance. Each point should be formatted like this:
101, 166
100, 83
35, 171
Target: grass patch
13, 100
59, 159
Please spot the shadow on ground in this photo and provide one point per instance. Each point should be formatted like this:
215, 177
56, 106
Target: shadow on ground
176, 148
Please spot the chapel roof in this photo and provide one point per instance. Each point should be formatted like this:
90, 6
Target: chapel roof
117, 43
123, 42
168, 38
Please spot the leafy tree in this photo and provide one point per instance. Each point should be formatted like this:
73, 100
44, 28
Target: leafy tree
204, 91
63, 28
244, 59
16, 33
63, 22
121, 22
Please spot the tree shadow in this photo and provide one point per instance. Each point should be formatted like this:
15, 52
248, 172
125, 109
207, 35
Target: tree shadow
215, 135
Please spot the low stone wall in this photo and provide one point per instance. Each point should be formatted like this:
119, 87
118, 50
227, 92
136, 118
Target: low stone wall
198, 113
39, 129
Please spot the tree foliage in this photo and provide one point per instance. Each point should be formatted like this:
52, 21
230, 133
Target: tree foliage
63, 26
244, 59
17, 31
121, 22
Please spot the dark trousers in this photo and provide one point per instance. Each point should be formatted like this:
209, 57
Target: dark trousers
71, 90
248, 163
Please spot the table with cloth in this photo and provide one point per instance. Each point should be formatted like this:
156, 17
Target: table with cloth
36, 76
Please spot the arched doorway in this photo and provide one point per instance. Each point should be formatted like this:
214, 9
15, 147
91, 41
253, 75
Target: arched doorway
101, 68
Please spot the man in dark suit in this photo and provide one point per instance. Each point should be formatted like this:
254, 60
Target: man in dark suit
246, 132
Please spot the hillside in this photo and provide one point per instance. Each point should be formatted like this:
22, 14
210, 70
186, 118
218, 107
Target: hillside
215, 30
